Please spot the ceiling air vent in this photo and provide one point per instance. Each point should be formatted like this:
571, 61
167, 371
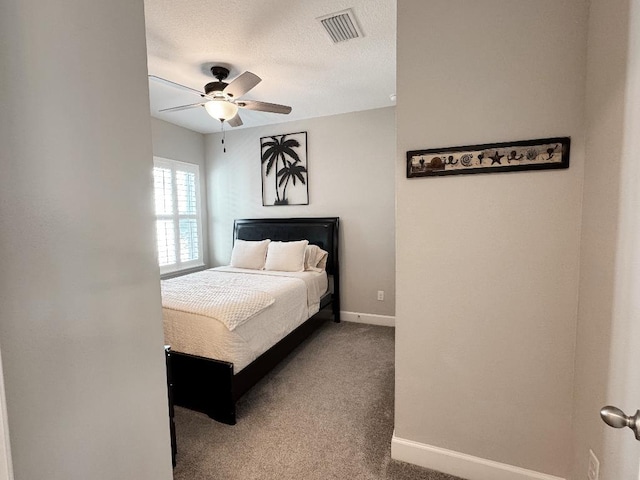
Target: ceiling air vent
341, 26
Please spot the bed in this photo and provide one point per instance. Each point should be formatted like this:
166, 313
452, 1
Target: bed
205, 376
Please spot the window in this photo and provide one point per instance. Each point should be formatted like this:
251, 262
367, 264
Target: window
176, 188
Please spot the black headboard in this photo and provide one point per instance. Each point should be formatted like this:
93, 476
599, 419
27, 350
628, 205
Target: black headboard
319, 231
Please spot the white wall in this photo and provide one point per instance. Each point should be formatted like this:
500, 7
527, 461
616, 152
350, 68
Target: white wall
607, 354
178, 143
80, 319
487, 265
351, 175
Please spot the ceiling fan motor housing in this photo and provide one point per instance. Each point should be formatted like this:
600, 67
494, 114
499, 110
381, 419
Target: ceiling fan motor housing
213, 87
220, 73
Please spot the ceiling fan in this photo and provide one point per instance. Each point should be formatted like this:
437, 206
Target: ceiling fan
220, 99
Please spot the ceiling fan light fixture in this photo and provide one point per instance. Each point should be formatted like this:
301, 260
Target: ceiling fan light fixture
221, 109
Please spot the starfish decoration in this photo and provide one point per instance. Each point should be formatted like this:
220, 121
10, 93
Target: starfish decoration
496, 158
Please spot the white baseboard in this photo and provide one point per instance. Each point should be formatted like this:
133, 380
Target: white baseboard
6, 471
370, 318
459, 464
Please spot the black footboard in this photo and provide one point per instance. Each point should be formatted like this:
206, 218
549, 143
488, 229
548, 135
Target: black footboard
209, 386
204, 385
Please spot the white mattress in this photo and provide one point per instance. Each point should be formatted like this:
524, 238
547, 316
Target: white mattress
297, 297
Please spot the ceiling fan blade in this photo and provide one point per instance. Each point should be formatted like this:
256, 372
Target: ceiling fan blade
182, 107
264, 106
235, 121
242, 84
174, 84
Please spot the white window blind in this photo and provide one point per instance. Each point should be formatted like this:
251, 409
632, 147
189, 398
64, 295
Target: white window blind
178, 215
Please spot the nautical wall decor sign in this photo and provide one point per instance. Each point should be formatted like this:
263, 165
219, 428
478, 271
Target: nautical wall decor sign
284, 169
541, 154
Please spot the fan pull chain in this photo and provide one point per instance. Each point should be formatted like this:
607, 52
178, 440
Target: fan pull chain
224, 148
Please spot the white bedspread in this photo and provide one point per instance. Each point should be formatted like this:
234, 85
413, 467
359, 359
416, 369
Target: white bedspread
230, 299
297, 297
315, 288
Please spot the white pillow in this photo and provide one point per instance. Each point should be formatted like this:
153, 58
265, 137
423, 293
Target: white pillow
286, 256
315, 259
249, 254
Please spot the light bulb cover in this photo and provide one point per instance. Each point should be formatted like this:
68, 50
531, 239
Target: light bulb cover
221, 109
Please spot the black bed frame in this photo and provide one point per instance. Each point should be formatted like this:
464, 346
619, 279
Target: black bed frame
210, 386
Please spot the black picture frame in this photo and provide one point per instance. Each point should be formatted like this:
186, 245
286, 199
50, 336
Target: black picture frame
539, 154
284, 169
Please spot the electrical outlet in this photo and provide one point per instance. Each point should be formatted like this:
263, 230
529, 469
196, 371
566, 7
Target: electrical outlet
381, 295
594, 466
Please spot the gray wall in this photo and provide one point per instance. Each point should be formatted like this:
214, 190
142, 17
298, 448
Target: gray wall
351, 171
80, 319
177, 143
487, 265
607, 354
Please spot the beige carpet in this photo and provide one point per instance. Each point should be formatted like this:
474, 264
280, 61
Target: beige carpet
326, 412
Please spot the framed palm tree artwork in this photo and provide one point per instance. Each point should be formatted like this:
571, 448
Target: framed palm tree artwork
284, 169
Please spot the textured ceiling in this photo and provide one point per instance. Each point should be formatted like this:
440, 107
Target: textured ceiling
279, 40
